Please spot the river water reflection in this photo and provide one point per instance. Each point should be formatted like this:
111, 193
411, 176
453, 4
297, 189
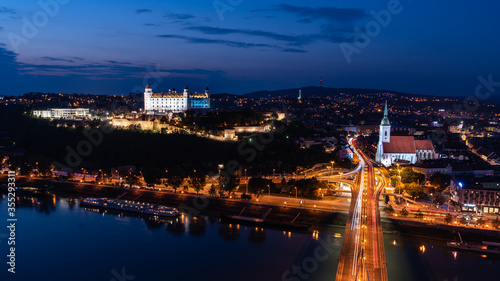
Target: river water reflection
56, 239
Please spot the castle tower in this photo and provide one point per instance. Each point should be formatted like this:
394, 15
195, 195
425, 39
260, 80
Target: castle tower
207, 92
148, 92
300, 95
186, 92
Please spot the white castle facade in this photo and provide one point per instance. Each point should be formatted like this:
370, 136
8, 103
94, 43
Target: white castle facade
162, 103
401, 149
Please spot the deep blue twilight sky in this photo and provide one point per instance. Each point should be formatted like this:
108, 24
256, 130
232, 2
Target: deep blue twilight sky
109, 47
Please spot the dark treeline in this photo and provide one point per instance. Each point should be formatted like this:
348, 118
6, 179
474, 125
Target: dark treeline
117, 148
45, 143
223, 119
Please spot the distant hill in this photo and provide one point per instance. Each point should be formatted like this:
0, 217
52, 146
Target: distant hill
331, 92
223, 96
319, 92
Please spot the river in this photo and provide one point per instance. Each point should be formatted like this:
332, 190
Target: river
56, 239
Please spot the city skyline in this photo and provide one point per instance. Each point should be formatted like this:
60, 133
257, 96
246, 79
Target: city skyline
240, 47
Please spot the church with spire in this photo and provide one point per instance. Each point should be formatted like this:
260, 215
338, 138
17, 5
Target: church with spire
400, 149
163, 103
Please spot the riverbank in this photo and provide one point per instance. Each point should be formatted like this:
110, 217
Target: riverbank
443, 232
192, 204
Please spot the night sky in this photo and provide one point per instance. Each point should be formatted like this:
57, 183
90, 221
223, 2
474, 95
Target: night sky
239, 46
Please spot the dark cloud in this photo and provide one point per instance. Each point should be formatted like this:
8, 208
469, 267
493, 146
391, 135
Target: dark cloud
334, 24
266, 34
118, 62
292, 40
330, 14
199, 40
4, 10
174, 16
8, 59
230, 43
143, 11
57, 59
109, 69
291, 50
152, 24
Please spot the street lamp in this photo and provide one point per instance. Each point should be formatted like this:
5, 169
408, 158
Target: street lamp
399, 172
295, 192
269, 186
332, 162
273, 172
246, 174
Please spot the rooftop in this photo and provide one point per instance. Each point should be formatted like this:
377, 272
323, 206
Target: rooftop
400, 144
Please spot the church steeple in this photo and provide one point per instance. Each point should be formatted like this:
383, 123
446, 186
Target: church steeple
385, 128
385, 120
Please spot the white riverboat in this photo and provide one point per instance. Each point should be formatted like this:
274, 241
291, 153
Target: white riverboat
131, 206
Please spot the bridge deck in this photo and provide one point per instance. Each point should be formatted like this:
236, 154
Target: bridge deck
363, 256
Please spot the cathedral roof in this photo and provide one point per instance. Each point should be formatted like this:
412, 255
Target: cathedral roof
400, 144
424, 144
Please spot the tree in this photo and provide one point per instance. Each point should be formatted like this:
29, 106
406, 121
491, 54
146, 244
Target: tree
463, 220
448, 219
257, 184
152, 176
309, 187
389, 209
197, 180
132, 179
245, 196
175, 177
438, 199
495, 223
228, 183
410, 176
415, 190
440, 180
212, 191
394, 180
419, 214
481, 221
403, 212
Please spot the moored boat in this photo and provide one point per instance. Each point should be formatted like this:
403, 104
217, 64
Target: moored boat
131, 206
486, 247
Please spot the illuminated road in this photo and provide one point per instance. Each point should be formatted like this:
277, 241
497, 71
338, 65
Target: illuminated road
363, 257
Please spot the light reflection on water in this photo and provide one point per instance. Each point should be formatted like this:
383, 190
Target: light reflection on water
58, 238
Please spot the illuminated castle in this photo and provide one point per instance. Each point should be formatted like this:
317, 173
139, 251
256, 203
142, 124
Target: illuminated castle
162, 103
